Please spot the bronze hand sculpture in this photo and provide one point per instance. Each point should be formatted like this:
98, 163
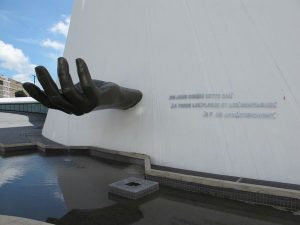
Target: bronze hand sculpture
82, 97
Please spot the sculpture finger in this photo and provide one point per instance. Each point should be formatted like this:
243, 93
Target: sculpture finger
38, 95
88, 87
67, 86
52, 91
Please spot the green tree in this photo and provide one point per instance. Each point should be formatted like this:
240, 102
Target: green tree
20, 94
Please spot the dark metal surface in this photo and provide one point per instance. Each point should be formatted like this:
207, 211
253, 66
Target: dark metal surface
82, 97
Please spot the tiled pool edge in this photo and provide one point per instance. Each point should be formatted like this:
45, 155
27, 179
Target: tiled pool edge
260, 194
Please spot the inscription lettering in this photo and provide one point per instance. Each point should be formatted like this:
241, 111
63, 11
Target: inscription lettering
224, 102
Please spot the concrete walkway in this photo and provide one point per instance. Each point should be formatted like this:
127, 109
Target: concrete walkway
22, 128
12, 220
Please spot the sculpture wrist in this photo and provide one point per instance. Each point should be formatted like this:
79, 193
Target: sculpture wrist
130, 97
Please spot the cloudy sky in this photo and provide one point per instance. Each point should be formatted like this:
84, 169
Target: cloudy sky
32, 32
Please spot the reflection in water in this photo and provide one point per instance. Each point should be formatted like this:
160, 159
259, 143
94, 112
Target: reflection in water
74, 189
59, 195
11, 170
32, 191
117, 214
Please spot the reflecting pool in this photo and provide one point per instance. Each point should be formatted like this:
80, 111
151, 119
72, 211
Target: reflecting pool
74, 190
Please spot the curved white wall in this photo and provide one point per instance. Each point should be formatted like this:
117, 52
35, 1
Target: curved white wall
245, 52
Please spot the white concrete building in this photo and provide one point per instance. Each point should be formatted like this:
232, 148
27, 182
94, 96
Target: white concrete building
220, 81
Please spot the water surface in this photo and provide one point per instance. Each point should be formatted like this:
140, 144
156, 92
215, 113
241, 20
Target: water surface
74, 190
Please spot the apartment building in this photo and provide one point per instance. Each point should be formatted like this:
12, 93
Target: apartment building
8, 87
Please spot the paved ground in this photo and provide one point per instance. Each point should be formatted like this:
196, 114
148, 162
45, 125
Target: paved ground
12, 220
17, 128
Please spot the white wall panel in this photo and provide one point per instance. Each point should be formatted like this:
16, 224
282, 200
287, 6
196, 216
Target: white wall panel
247, 48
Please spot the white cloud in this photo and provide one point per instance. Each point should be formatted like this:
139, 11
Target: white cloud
61, 27
23, 77
53, 44
13, 59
